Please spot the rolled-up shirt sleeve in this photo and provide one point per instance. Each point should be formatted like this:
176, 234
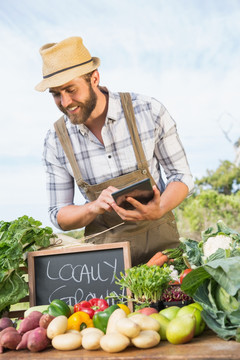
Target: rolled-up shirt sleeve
170, 152
59, 183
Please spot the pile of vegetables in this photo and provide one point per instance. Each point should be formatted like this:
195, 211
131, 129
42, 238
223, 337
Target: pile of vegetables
110, 329
214, 281
208, 273
205, 271
17, 238
141, 331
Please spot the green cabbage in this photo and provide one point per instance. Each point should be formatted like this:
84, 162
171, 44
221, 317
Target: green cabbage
224, 301
216, 286
215, 281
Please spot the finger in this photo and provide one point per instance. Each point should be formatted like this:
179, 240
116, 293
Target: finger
156, 191
111, 189
136, 204
129, 215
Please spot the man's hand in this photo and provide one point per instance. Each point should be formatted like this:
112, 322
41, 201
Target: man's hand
172, 196
104, 201
150, 211
77, 216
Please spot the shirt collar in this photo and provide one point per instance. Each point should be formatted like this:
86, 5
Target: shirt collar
114, 107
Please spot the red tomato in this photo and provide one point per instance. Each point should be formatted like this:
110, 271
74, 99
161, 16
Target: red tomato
183, 274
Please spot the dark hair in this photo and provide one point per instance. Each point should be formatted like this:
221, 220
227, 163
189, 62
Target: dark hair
87, 77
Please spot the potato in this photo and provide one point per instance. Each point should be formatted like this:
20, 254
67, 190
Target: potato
5, 322
146, 322
128, 327
10, 339
146, 339
10, 328
30, 322
23, 342
34, 314
68, 341
114, 342
57, 326
91, 330
91, 340
72, 331
45, 320
38, 340
113, 319
4, 331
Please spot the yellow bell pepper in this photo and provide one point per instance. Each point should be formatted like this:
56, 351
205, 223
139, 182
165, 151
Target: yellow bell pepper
125, 308
79, 321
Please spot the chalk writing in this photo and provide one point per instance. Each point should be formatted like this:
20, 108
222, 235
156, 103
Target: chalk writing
76, 273
77, 276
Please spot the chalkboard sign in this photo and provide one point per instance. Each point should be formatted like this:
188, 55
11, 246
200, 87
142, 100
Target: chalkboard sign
77, 273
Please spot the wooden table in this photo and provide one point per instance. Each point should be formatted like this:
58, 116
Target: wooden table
206, 347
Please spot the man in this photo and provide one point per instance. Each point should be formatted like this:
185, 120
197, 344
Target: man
107, 141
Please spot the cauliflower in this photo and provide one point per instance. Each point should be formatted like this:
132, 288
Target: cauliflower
216, 242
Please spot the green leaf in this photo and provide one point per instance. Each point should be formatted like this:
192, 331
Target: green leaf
226, 273
192, 252
193, 280
213, 324
12, 290
16, 239
217, 320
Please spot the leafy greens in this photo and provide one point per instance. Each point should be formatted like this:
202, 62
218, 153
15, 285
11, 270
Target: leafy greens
146, 283
215, 283
17, 238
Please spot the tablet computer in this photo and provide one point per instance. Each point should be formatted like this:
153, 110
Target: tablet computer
141, 191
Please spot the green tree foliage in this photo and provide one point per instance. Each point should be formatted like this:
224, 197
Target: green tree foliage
215, 198
225, 180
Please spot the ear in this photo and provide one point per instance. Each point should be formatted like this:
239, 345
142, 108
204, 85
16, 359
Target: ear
95, 79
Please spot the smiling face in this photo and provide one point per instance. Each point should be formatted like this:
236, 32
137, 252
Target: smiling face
77, 99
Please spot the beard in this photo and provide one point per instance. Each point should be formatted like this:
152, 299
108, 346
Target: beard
86, 107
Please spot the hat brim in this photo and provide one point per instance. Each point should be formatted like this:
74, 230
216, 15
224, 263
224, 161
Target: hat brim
67, 75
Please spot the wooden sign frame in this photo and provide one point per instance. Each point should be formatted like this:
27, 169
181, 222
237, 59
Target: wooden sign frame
73, 249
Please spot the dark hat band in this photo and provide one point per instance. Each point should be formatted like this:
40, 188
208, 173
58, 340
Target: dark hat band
68, 68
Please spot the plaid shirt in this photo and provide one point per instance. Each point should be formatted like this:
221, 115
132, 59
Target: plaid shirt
98, 162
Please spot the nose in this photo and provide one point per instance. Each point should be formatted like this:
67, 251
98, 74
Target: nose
65, 99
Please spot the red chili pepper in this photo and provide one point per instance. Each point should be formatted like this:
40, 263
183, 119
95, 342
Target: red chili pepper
92, 306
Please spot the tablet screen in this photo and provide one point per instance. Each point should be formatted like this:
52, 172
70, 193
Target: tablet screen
141, 191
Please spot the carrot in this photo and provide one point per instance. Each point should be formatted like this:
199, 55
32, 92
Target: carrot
158, 259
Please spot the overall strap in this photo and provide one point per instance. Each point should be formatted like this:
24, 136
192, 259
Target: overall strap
65, 141
130, 118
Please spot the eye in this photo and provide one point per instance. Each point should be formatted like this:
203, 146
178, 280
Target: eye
71, 90
55, 94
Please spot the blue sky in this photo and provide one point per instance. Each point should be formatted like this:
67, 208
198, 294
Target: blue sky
186, 53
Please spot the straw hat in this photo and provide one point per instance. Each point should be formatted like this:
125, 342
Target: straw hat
64, 61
